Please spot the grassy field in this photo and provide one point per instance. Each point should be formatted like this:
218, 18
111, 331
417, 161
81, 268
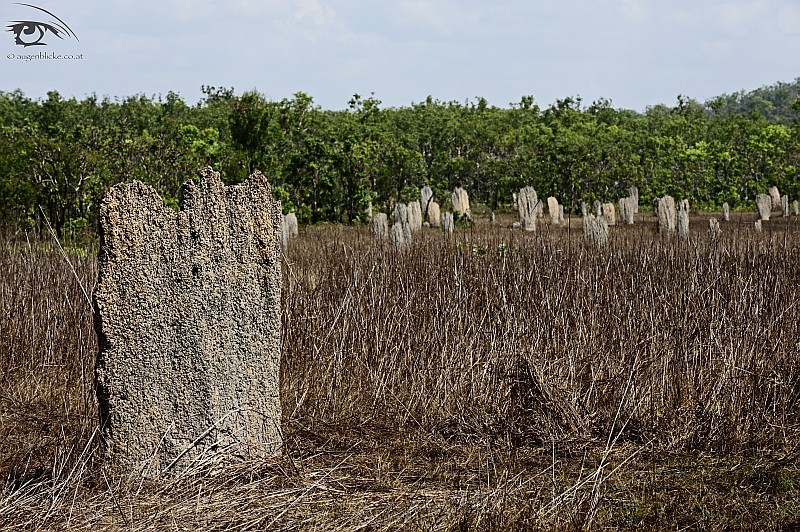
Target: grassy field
491, 381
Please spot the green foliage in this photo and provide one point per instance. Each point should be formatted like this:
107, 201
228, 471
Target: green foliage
58, 156
776, 103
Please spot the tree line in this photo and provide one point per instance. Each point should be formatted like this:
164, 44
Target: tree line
58, 156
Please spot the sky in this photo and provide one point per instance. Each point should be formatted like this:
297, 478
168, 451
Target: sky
635, 53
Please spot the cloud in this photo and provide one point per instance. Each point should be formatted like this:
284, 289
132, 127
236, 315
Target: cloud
739, 18
193, 9
633, 11
442, 17
252, 8
319, 14
789, 20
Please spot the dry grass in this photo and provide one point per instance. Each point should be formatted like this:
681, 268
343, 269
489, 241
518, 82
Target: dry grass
492, 381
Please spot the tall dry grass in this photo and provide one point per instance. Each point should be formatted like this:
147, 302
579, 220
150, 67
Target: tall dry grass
521, 340
47, 352
490, 381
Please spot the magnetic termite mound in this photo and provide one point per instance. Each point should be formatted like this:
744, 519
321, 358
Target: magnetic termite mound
187, 311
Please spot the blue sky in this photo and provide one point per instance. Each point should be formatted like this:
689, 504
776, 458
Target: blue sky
634, 52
